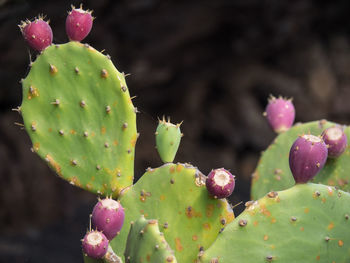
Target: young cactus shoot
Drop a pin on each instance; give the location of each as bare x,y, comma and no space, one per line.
307,157
280,114
108,217
336,141
95,244
78,23
37,33
220,183
168,137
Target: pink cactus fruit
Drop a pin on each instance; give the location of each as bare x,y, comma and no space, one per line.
307,157
108,217
336,140
95,244
220,183
37,33
280,113
78,23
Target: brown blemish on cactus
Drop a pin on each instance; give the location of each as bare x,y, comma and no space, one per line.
104,73
53,70
32,92
266,237
36,146
318,257
264,211
178,244
190,212
209,210
50,129
54,164
103,130
306,210
340,243
273,220
323,200
207,226
302,229
330,226
172,169
255,223
162,197
115,143
72,131
194,237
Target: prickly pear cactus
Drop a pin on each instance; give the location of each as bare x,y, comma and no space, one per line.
176,196
306,223
78,113
273,172
146,243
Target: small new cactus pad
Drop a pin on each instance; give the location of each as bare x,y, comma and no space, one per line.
306,223
307,157
175,195
168,137
78,23
95,244
37,33
108,217
280,113
146,243
273,172
77,110
220,183
336,140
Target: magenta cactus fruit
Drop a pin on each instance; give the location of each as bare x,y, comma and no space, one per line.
280,114
108,217
95,244
336,140
220,183
78,23
37,33
307,157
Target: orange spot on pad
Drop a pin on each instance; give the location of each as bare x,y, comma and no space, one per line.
103,130
331,226
178,244
210,209
194,238
207,226
306,210
340,243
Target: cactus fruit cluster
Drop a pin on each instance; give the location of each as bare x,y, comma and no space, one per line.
80,117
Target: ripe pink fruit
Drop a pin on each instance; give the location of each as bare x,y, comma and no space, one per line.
220,183
38,33
95,244
280,114
78,24
307,157
108,217
336,140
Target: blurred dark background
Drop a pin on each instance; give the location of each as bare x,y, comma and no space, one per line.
210,63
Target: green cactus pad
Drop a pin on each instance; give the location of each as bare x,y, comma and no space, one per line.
176,196
78,113
168,137
146,243
273,172
306,223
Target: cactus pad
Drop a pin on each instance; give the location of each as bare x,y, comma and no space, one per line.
78,113
273,175
306,223
176,196
147,244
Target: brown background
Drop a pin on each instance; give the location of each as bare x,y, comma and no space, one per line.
209,63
